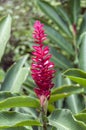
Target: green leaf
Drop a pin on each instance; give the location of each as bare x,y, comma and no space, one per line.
62,12
56,97
59,40
5,95
5,28
59,60
18,128
75,103
51,107
63,92
64,120
15,76
19,101
81,117
75,72
67,89
27,110
29,83
77,76
58,78
82,53
75,10
51,12
14,119
83,111
83,25
81,38
2,75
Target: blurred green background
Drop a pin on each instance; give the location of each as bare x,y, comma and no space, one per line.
22,12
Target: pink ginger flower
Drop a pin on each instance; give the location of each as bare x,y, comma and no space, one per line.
42,67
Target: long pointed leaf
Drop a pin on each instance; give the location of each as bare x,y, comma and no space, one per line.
18,128
5,95
82,53
81,117
63,92
64,120
83,25
67,89
14,119
75,10
60,60
15,76
5,28
77,76
59,40
19,101
51,12
62,12
75,103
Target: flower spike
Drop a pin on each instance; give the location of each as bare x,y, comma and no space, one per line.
42,68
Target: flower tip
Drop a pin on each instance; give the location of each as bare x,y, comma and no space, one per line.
38,24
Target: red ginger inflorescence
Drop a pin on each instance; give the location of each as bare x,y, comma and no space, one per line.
42,67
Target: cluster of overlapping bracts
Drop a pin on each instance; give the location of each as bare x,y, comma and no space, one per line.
42,68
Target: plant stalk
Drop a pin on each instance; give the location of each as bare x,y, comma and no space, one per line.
44,119
76,49
43,116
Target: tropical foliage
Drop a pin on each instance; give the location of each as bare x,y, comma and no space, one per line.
65,25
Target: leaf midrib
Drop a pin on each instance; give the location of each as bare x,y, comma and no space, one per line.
57,123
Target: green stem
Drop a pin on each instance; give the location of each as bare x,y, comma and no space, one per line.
44,119
39,128
76,50
43,112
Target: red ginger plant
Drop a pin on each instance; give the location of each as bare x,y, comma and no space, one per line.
42,67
